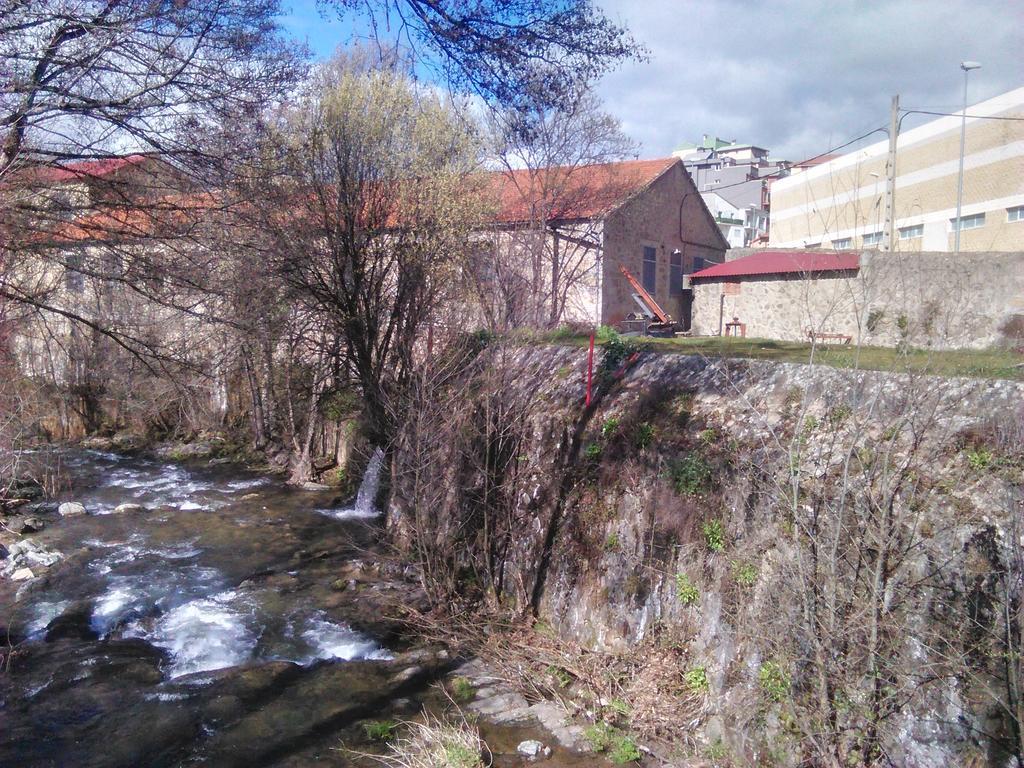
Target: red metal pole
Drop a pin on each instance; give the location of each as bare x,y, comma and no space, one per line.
590,367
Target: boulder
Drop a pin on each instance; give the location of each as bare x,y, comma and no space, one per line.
69,508
532,749
3,552
26,525
128,508
18,526
74,623
40,508
22,574
43,557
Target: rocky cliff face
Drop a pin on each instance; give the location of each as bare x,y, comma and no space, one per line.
833,555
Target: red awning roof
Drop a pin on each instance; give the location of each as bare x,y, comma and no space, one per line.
780,263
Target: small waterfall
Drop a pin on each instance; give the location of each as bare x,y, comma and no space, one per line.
367,494
366,498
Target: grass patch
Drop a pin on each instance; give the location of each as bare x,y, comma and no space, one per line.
977,363
380,730
462,690
437,742
774,681
620,747
744,573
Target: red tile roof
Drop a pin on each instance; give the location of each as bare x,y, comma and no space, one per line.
82,169
560,193
781,262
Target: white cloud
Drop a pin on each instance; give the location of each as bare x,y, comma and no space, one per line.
800,76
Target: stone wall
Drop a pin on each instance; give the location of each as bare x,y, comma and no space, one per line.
929,299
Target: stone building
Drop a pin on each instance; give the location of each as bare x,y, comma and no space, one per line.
560,235
840,203
931,300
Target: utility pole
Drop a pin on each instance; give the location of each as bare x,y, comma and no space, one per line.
966,66
890,176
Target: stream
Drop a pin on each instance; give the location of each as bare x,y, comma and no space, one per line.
213,626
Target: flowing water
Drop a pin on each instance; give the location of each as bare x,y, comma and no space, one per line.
222,570
208,628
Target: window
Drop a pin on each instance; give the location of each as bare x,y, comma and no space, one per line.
968,222
909,233
650,268
872,238
1015,214
74,280
842,243
675,275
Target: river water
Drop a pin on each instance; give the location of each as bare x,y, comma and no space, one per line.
223,570
210,627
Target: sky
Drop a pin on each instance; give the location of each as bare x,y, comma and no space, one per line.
797,77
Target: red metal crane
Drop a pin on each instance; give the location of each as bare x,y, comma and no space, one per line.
663,317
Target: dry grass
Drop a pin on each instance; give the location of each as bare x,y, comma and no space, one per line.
642,691
436,741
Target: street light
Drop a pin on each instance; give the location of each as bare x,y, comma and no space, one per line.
966,66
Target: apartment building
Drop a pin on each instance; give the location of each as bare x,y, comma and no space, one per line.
840,204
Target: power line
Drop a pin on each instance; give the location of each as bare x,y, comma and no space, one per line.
785,171
957,114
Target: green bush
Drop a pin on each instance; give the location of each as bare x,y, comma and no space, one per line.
875,317
611,544
774,681
644,435
690,475
609,427
616,351
619,707
697,680
593,451
599,735
714,535
380,730
979,458
686,590
624,750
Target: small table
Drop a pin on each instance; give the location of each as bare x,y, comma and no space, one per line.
736,328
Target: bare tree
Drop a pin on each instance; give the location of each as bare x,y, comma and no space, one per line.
545,153
369,215
517,53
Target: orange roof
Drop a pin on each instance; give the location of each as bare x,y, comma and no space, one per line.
582,192
521,196
117,223
80,170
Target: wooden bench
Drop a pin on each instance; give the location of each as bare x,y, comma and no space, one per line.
824,337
